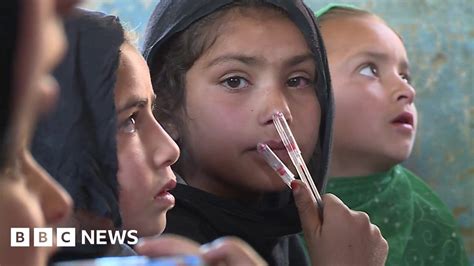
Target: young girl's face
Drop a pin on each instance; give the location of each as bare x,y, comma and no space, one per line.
30,197
259,64
145,151
376,117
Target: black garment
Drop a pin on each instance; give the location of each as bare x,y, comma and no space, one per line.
204,217
9,25
76,143
271,227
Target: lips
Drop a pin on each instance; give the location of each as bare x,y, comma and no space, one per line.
275,145
166,188
405,118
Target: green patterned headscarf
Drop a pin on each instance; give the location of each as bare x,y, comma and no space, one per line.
330,6
418,226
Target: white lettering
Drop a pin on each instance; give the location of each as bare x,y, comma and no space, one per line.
86,236
66,237
19,237
117,236
133,237
43,237
101,236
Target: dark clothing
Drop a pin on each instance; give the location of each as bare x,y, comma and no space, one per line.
204,217
76,143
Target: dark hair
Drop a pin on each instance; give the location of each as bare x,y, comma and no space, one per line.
9,26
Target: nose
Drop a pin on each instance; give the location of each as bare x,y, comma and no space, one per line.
272,101
165,150
55,202
404,92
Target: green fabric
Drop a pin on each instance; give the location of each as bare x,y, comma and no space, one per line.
418,226
330,6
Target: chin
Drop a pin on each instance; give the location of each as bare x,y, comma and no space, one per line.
403,155
161,224
151,229
273,185
268,181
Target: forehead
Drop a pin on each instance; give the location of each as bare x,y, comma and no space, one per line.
268,34
345,36
132,74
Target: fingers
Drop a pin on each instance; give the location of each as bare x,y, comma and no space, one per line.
307,208
346,237
381,250
167,245
230,251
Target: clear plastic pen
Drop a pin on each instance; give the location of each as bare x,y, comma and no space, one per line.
276,164
295,155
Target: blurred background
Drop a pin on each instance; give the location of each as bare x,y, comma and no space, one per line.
439,37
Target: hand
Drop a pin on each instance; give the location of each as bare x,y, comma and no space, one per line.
222,251
345,237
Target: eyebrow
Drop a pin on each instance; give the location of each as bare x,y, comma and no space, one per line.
382,57
248,60
299,59
133,102
251,60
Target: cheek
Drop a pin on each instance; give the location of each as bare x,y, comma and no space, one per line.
24,208
132,173
217,122
20,208
130,184
307,116
415,116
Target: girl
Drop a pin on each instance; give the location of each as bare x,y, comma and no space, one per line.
104,144
101,67
32,44
371,78
220,70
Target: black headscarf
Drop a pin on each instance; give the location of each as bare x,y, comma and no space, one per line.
171,17
76,143
9,26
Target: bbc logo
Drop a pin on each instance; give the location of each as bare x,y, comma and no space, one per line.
42,237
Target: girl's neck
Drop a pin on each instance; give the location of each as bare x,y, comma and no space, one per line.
351,165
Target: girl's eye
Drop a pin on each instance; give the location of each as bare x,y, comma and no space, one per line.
235,83
298,82
370,71
129,126
406,77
